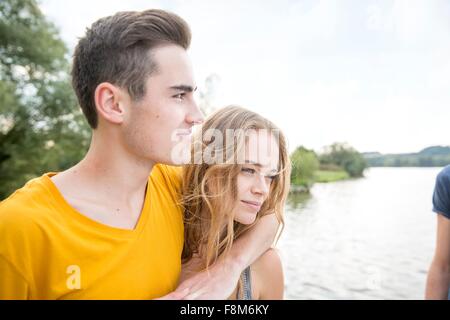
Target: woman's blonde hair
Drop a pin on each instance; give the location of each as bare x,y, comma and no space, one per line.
210,190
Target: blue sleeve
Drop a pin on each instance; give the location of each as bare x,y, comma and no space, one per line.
441,194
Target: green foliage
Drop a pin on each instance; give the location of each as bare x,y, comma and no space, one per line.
345,157
304,165
41,126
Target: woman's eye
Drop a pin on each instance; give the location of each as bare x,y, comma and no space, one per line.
248,170
271,178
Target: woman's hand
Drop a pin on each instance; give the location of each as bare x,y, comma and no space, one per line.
217,283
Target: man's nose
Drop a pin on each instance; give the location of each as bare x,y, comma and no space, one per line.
195,115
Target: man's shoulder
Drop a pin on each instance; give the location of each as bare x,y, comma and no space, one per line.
168,170
441,194
443,181
22,209
23,220
170,176
444,174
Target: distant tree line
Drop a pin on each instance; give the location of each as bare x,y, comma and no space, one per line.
336,157
436,156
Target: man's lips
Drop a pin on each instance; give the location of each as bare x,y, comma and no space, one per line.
185,132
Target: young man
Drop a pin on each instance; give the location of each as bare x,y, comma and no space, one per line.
438,276
110,227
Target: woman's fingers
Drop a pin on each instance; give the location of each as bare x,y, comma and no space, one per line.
176,295
193,295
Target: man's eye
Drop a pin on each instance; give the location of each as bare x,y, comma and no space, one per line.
248,170
179,96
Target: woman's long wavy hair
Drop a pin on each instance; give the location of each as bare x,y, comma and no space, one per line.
210,190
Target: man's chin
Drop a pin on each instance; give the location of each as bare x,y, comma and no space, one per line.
180,159
180,153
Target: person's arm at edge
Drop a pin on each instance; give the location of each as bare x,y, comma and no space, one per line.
438,278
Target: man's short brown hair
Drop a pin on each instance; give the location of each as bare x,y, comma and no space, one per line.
116,49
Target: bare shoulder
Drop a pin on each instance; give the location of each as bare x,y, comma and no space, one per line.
268,278
269,259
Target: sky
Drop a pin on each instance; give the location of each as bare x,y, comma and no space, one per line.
372,73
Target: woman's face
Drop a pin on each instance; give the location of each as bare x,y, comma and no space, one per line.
257,174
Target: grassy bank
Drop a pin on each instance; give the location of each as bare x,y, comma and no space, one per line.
330,176
338,162
321,176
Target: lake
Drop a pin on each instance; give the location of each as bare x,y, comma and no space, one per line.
367,238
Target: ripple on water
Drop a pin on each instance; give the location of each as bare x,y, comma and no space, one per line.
370,238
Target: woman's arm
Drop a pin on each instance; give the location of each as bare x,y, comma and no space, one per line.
438,275
254,242
221,279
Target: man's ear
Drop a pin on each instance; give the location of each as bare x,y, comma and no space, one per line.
108,102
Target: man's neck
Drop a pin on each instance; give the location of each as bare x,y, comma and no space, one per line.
106,182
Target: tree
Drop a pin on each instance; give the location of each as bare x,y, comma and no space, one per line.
346,157
304,164
41,126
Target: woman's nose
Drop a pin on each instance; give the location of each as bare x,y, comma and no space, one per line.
260,185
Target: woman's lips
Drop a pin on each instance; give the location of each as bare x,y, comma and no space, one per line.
253,205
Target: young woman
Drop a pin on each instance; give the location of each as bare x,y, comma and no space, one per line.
239,172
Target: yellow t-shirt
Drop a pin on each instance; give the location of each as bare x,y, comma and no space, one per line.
48,250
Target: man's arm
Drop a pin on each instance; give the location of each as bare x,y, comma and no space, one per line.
222,277
438,276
